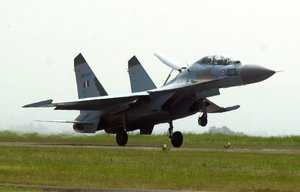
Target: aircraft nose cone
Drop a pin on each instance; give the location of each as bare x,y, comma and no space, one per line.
255,73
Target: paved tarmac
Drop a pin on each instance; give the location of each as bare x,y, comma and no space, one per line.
77,189
232,150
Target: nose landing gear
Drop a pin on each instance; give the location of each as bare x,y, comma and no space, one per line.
203,119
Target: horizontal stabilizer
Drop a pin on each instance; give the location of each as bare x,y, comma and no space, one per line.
46,103
64,121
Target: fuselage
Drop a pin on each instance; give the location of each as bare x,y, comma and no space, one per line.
168,107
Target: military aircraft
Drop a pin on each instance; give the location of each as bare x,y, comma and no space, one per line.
148,105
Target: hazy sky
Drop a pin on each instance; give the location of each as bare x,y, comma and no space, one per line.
39,40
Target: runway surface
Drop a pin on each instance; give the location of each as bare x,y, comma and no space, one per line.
77,189
232,150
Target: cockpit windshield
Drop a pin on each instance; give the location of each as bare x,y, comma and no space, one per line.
217,60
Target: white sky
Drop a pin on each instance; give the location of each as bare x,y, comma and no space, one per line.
39,40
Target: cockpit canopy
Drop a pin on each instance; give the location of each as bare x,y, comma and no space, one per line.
217,60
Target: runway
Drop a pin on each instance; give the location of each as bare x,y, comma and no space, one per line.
129,147
84,189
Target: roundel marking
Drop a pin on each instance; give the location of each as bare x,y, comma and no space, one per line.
222,72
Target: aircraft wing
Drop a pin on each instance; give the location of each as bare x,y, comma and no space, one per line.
102,103
119,103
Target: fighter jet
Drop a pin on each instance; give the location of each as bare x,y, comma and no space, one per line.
148,105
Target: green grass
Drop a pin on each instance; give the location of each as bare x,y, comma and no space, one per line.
223,170
117,168
19,189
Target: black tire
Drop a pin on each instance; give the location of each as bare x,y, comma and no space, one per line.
177,139
122,138
202,121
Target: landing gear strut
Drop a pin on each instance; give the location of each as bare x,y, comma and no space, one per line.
176,137
122,138
203,119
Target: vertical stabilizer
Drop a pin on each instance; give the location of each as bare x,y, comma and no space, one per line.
139,78
87,86
87,83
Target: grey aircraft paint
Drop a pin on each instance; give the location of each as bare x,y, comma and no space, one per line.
139,78
87,83
147,106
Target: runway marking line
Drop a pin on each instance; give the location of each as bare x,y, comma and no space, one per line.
232,150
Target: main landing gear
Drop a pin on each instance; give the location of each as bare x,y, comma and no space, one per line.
121,137
176,137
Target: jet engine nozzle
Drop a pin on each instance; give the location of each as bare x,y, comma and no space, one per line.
255,73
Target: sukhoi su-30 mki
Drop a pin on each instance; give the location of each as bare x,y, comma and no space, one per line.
147,105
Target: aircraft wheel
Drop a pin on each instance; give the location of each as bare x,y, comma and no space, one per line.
203,120
122,138
177,139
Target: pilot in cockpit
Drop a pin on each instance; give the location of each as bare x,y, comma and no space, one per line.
217,60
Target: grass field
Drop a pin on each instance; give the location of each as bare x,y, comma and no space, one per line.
223,170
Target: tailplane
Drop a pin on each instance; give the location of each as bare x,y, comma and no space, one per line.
87,83
139,78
